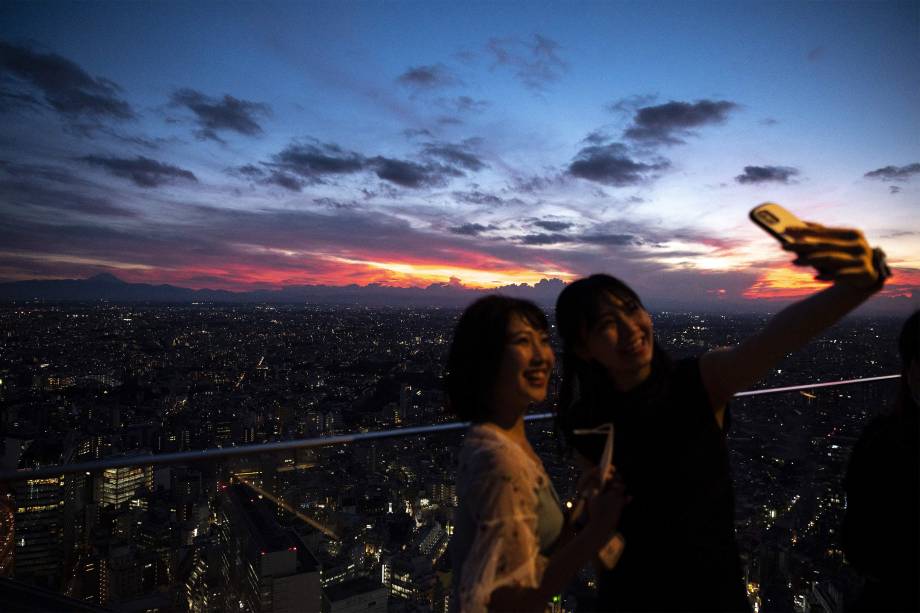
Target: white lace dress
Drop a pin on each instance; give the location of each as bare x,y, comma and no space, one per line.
506,508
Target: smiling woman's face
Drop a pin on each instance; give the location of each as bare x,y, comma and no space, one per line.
526,365
620,340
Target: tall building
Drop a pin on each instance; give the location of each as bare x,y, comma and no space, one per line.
116,486
266,567
39,520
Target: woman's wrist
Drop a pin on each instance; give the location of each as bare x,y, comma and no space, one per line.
880,264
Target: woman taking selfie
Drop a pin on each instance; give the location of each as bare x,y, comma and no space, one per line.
507,551
670,419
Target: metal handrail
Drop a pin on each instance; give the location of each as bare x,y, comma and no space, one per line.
321,441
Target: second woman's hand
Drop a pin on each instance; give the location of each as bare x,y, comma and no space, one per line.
605,506
841,255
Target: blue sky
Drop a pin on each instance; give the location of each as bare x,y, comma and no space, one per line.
243,145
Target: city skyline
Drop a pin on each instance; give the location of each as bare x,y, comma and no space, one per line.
246,147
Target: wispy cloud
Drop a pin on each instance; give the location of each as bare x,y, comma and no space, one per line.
536,62
430,77
142,171
214,115
461,155
64,86
895,173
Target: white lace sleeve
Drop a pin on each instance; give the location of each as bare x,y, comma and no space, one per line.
504,551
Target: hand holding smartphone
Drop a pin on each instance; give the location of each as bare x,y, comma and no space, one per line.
841,255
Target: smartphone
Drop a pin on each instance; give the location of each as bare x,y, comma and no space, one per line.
607,455
776,220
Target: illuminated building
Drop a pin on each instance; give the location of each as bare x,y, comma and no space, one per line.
118,485
39,521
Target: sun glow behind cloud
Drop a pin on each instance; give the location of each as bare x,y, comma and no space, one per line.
414,274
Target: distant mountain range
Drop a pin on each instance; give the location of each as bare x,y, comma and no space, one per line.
110,287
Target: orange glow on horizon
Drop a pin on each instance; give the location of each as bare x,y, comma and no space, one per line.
341,271
785,283
407,274
776,283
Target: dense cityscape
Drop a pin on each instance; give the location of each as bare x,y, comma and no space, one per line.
353,526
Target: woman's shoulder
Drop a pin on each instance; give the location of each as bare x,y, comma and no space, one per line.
485,453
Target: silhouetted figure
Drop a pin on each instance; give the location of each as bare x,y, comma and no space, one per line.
670,420
880,530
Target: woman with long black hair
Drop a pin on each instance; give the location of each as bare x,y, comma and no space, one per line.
670,419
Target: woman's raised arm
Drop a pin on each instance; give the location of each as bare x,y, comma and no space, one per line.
840,255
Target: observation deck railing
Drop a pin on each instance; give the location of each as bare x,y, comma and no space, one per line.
325,441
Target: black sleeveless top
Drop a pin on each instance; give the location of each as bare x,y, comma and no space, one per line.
680,549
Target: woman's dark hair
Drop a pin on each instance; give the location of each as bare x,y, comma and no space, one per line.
578,309
909,349
477,350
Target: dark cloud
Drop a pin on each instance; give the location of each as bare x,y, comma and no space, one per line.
411,174
610,239
536,63
332,203
283,179
143,171
40,173
455,155
248,171
767,174
66,88
225,114
664,123
553,226
54,189
597,137
482,198
10,100
434,76
556,238
463,104
612,165
312,160
251,172
895,173
545,239
470,229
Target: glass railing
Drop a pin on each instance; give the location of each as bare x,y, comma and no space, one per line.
326,522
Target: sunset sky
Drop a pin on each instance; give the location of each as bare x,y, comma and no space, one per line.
256,145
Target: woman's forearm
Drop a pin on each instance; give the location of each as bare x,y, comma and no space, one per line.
801,321
730,370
